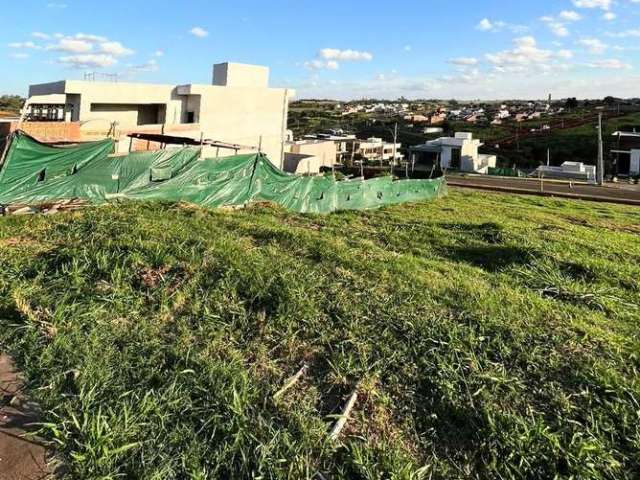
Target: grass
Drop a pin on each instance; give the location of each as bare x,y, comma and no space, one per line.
491,336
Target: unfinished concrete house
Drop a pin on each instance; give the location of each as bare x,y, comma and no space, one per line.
238,108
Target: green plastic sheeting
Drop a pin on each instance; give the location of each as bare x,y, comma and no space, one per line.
34,173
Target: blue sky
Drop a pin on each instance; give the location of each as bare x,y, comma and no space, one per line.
488,49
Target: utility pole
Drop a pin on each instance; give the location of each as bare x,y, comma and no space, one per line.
600,172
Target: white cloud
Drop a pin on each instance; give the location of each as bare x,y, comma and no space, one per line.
485,25
565,54
625,33
330,58
40,35
558,28
90,38
464,61
593,45
609,16
345,55
29,45
322,65
72,45
603,4
115,49
159,53
199,32
609,64
524,53
89,60
570,16
19,55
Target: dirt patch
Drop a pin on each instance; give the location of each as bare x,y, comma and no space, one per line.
151,277
22,457
18,242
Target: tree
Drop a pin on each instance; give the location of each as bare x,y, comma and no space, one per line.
571,103
609,101
11,103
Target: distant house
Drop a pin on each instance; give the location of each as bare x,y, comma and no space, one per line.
308,156
374,148
626,152
417,119
456,153
569,171
342,142
437,118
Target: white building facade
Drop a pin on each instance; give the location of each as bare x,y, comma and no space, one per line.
238,108
459,152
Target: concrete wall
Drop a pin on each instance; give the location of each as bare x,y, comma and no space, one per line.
122,96
468,156
302,164
308,157
245,116
240,75
634,168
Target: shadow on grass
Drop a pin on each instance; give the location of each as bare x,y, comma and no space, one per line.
491,233
491,258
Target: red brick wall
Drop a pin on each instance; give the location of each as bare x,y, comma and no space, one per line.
46,131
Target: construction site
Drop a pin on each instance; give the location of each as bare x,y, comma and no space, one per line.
186,291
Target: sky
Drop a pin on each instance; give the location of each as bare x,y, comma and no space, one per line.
341,49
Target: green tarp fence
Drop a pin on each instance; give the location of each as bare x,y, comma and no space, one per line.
34,173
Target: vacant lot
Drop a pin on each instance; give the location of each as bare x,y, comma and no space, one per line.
490,336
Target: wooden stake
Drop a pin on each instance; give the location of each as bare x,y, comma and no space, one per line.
337,428
291,381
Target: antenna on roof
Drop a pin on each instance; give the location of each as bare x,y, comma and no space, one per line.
100,76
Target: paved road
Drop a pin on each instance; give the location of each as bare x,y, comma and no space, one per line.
616,193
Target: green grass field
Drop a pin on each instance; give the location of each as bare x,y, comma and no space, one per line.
489,336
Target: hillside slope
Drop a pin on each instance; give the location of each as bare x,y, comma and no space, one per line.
489,336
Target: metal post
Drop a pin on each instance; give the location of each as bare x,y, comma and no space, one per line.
5,150
283,126
600,152
395,141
